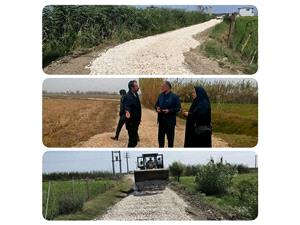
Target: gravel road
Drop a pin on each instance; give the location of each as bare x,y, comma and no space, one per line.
158,54
160,205
147,132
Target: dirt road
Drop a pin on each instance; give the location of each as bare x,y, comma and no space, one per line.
147,132
154,205
158,54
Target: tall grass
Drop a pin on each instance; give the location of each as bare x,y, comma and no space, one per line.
221,91
243,44
68,27
64,197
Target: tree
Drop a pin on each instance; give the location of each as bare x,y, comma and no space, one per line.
176,169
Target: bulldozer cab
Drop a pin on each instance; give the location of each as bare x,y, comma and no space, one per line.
150,173
150,161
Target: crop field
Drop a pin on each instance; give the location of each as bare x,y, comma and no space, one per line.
68,121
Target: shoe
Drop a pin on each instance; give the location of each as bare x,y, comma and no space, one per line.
114,138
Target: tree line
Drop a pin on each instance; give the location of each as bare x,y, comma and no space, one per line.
88,93
80,175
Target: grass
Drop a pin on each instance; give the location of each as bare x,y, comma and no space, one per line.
228,202
238,140
69,28
237,124
243,44
67,122
103,194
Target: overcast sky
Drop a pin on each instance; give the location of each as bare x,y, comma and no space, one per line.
103,84
215,8
67,161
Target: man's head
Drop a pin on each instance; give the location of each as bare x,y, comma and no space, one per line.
122,92
133,86
166,87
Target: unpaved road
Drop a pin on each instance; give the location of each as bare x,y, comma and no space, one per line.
148,134
159,205
158,54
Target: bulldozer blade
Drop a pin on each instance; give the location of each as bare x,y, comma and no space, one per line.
151,174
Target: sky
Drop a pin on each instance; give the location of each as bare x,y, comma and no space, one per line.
82,161
215,8
102,84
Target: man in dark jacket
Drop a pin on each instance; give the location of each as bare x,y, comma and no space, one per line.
122,118
133,112
167,106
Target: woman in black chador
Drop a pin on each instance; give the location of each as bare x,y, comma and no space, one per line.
198,128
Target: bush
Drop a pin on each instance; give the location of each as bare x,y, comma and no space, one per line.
176,169
67,204
247,195
215,178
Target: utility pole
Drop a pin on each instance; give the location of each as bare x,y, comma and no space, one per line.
116,157
255,161
127,156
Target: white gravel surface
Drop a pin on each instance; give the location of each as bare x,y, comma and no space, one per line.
161,205
158,54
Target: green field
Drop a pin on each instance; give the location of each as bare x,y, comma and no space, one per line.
237,124
80,199
242,50
233,201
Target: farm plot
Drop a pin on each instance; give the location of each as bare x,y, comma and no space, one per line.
66,121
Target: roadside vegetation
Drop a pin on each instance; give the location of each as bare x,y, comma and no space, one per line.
81,196
234,106
230,189
239,49
69,28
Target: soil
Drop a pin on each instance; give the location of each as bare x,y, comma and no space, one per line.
198,63
147,133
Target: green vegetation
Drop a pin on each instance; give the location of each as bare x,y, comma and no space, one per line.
241,198
81,199
80,175
241,49
234,106
237,124
215,178
176,169
68,28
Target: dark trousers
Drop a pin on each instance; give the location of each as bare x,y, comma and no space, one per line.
165,129
132,129
121,122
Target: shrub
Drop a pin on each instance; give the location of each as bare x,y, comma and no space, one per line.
247,195
215,178
176,169
67,204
